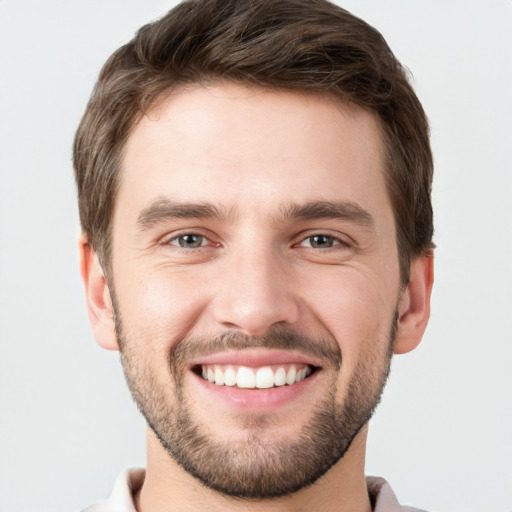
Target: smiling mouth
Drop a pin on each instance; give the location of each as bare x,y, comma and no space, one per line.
263,377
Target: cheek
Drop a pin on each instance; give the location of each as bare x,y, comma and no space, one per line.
356,310
357,315
161,307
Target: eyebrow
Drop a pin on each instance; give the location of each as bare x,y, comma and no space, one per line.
342,210
163,210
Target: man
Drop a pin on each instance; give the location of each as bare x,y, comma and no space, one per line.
254,189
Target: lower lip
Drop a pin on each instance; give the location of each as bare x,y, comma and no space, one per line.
257,399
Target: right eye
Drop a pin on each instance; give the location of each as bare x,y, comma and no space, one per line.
189,241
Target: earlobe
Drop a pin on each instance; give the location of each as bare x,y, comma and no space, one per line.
414,307
99,304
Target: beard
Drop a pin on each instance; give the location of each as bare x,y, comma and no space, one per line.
257,467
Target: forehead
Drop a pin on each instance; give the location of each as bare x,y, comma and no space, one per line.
249,147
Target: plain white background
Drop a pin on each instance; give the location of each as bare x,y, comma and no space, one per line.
442,435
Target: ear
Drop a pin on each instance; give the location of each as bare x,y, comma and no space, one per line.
414,306
99,304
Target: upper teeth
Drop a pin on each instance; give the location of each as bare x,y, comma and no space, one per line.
250,378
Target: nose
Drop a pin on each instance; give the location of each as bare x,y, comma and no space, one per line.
256,294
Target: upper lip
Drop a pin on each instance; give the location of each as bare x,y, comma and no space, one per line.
257,358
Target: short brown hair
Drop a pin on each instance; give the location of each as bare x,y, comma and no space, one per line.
308,45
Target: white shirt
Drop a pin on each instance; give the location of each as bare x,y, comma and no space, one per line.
131,480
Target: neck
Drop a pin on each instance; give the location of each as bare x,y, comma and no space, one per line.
168,487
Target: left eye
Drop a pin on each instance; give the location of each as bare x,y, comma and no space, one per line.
189,241
320,241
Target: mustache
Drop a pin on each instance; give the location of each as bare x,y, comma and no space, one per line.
193,347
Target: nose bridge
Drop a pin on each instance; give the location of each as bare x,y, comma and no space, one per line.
256,292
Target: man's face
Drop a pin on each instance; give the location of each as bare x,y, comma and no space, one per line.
256,281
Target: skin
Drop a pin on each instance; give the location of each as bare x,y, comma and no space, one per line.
252,153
